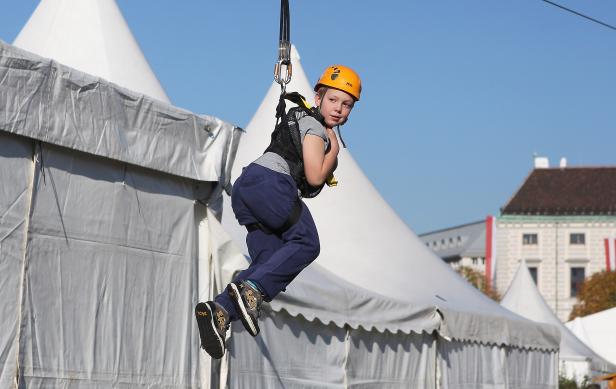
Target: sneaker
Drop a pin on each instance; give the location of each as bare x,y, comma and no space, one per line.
247,301
213,321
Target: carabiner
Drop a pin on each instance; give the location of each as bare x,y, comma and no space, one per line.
278,72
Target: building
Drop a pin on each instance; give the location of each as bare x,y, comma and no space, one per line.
460,246
561,221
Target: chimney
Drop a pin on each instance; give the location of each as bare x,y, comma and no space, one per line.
541,162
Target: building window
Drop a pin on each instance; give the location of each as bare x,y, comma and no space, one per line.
577,277
474,260
529,239
483,260
577,238
533,273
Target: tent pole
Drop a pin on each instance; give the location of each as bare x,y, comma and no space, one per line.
347,350
437,365
37,155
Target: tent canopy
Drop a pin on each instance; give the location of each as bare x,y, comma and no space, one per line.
523,297
597,332
93,37
48,101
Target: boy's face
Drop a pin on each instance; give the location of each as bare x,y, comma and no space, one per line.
335,106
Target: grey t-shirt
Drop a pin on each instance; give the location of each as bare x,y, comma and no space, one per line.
307,125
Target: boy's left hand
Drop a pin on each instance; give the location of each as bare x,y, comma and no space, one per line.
333,142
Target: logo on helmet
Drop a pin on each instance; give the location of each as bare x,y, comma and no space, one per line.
335,73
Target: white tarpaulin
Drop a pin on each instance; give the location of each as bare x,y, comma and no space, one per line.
100,208
577,359
597,331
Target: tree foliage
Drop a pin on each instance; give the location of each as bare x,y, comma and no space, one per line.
597,293
478,280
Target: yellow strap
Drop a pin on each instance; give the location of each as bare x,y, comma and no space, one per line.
331,181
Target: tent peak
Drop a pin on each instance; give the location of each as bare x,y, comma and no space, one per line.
91,36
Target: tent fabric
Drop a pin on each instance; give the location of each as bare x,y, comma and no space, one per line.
93,37
105,285
296,353
466,364
390,261
16,169
317,294
523,297
597,332
101,230
50,102
292,352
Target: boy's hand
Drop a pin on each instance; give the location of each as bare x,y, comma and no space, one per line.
333,141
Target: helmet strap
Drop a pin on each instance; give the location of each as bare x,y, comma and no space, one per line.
340,136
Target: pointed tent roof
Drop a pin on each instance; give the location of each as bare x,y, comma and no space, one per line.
523,298
91,36
597,332
366,244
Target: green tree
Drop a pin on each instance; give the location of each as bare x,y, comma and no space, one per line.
597,293
478,280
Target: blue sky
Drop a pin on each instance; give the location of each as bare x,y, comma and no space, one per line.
457,96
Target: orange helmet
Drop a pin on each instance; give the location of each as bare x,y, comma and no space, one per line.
341,77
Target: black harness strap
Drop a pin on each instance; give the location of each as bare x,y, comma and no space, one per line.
296,213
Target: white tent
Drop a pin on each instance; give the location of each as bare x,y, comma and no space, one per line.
104,243
598,332
423,321
124,173
576,359
91,36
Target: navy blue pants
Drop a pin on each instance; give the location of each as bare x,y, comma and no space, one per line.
261,195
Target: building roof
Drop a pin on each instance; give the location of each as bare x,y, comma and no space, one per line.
566,191
467,240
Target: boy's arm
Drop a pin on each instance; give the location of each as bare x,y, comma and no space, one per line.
317,164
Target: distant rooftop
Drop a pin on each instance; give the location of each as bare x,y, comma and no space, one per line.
566,191
451,244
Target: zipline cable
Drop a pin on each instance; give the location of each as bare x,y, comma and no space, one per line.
284,48
580,14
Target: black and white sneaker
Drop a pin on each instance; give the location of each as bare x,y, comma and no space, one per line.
247,301
213,321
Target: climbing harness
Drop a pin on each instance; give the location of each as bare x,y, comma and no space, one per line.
286,139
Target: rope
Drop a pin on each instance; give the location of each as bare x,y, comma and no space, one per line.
284,48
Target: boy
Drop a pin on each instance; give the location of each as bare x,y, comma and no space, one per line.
282,237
